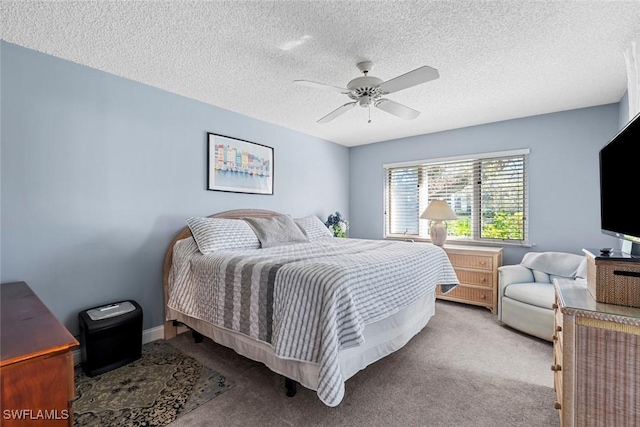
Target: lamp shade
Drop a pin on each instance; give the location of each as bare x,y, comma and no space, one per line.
438,210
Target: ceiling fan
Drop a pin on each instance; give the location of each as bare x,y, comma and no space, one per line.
367,91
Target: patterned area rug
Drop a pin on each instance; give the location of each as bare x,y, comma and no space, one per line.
152,391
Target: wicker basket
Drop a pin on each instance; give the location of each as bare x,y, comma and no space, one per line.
614,282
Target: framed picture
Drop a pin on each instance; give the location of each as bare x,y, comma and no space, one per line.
239,166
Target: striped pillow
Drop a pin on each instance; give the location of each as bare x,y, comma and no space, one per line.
313,227
276,231
214,234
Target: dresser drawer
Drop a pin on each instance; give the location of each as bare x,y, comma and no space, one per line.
557,353
557,333
557,322
472,277
557,385
556,367
471,261
467,294
558,316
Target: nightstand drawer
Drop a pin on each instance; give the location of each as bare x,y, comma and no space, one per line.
471,261
467,294
477,278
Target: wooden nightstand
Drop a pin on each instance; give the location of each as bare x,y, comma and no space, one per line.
36,364
477,271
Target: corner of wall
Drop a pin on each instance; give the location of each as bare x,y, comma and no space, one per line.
623,110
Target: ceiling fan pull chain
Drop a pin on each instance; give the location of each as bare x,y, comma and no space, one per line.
369,113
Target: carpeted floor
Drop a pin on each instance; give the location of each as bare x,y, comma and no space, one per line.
152,391
464,369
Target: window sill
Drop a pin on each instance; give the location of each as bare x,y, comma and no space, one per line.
464,242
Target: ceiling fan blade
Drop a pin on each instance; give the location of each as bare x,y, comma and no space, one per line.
412,78
338,111
321,86
396,109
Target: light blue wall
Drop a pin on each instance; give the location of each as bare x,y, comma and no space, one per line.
564,213
99,173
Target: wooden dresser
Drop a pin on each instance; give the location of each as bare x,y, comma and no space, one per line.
36,363
477,271
596,360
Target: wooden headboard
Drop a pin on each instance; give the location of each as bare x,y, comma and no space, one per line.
170,331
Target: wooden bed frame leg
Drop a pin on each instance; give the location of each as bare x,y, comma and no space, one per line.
197,336
291,387
170,330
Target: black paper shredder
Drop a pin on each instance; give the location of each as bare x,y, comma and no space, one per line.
110,336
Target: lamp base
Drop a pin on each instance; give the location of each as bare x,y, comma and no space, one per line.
438,233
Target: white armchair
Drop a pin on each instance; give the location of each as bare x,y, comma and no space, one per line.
526,294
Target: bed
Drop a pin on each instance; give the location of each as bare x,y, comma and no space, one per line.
315,309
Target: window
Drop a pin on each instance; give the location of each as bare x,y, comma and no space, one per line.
488,193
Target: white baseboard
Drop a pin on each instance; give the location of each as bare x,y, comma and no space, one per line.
148,335
153,334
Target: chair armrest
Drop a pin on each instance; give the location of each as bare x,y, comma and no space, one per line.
509,274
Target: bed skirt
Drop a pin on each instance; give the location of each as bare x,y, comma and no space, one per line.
381,339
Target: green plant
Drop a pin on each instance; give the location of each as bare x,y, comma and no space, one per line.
499,225
460,227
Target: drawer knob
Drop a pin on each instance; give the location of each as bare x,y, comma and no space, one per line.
558,328
554,337
557,405
556,368
554,306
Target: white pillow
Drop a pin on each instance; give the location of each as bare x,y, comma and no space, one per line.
214,234
313,227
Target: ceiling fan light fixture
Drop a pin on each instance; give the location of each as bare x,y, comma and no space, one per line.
365,101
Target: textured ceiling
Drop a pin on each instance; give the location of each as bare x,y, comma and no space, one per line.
497,60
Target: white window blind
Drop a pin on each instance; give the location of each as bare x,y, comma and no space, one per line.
403,194
488,193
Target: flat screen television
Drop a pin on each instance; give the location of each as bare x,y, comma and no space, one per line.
619,173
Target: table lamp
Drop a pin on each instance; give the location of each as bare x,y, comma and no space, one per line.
438,211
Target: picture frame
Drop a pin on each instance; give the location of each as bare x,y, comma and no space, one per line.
238,166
